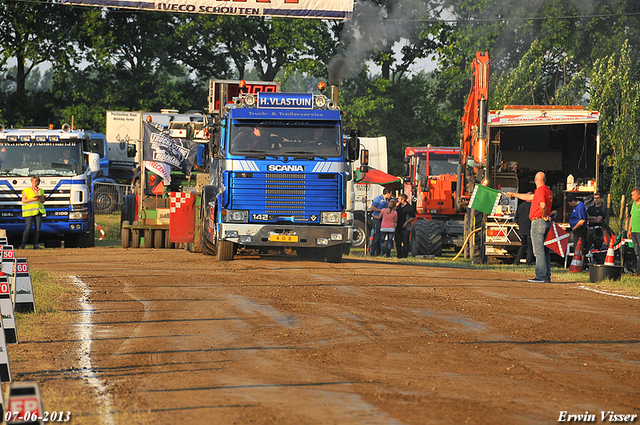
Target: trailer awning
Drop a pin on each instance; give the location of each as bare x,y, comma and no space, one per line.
374,176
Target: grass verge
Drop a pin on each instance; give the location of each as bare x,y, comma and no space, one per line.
52,294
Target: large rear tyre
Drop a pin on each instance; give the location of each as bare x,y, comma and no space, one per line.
125,235
426,238
128,209
333,254
206,247
225,250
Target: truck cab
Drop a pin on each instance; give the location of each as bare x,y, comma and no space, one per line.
278,173
62,160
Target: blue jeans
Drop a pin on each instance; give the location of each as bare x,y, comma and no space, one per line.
539,229
375,241
28,222
635,237
386,243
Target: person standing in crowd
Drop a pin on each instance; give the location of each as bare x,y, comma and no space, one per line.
541,202
32,211
379,203
388,224
406,213
633,227
597,215
524,230
578,222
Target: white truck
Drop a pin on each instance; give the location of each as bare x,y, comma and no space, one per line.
363,194
124,130
562,141
62,160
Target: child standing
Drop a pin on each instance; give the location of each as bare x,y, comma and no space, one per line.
389,221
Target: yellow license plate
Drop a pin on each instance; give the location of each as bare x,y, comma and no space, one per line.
283,238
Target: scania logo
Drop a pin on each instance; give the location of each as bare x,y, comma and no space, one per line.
285,168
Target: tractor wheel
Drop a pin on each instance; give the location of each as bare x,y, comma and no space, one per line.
426,238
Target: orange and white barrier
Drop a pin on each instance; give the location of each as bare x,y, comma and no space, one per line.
5,368
6,311
23,299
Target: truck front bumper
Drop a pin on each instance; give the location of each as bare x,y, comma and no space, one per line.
258,235
47,227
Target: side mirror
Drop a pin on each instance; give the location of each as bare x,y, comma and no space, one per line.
94,162
406,170
215,135
353,145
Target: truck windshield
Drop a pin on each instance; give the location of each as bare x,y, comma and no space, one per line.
43,159
442,163
286,139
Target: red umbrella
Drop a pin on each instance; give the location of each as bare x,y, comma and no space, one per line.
374,176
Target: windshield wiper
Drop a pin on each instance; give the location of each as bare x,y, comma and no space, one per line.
250,151
306,155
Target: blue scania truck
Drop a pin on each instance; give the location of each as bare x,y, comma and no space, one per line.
278,176
64,163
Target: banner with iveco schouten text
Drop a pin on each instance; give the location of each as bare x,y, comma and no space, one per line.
312,9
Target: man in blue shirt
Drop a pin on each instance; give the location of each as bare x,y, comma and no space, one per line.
578,221
379,203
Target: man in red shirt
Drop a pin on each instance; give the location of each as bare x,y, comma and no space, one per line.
541,201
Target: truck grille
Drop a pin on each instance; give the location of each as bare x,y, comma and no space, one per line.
301,196
57,202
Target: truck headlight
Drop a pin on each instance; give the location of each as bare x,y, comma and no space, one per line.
78,215
235,216
332,217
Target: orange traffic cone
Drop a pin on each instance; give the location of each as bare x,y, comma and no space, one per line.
610,258
576,262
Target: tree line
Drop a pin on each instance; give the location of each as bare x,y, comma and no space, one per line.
60,61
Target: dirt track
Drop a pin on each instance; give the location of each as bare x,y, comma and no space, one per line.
177,338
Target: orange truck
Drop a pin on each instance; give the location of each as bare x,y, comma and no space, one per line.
502,149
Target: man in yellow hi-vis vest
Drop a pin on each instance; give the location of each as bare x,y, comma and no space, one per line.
32,210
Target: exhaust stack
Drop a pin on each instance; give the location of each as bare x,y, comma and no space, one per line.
334,93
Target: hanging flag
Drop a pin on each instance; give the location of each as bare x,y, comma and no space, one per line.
485,199
162,148
557,240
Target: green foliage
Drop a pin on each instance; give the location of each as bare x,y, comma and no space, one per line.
521,85
408,113
615,93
